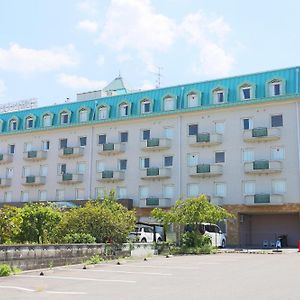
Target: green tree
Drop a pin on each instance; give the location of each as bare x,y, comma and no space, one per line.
107,220
10,223
39,223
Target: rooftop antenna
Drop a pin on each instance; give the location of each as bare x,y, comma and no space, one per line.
158,78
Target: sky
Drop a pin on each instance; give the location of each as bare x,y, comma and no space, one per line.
53,49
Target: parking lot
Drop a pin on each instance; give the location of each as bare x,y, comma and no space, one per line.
220,276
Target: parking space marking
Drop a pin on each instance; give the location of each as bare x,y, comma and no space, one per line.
169,267
77,278
16,288
128,272
39,291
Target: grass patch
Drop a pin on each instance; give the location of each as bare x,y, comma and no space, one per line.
205,249
95,259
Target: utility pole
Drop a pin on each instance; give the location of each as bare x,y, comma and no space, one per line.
158,78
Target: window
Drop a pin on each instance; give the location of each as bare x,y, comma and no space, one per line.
220,157
47,120
124,137
145,162
145,106
278,186
9,173
27,147
123,164
29,123
192,100
275,87
169,132
219,96
193,190
102,139
100,166
63,143
82,141
193,129
146,134
277,153
83,115
246,92
168,191
11,149
80,194
13,124
220,189
169,103
249,187
100,192
247,123
81,166
24,196
144,192
122,192
219,127
193,159
168,161
124,109
248,155
42,195
8,197
46,145
276,121
26,171
60,195
102,112
43,170
61,169
64,118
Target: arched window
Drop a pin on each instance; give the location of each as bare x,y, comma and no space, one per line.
13,124
275,87
124,109
246,91
193,99
83,115
47,120
169,103
102,112
219,95
29,122
64,117
145,106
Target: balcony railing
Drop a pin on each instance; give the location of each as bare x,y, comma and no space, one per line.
111,148
71,152
5,158
4,182
35,155
263,167
155,202
111,176
206,170
261,134
205,139
156,144
34,180
264,198
70,178
155,173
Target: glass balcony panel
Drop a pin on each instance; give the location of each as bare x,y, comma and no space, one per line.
107,174
259,132
1,156
261,165
30,179
203,168
152,201
152,171
203,138
153,142
67,177
32,154
262,198
68,151
108,147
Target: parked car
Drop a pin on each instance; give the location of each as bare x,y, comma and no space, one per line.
144,234
217,237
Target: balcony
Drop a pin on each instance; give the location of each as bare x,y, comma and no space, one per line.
33,180
261,199
5,158
261,134
69,178
263,167
155,173
155,202
71,152
35,155
206,170
205,139
4,182
111,148
156,144
111,176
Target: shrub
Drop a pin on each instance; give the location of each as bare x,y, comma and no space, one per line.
194,239
79,238
95,259
5,270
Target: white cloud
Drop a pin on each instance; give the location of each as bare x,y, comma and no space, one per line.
135,25
147,85
208,36
88,7
124,57
26,60
2,88
80,83
100,60
88,25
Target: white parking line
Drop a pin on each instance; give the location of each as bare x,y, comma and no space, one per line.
126,272
77,278
168,267
16,288
38,291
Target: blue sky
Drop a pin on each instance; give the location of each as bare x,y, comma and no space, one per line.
53,49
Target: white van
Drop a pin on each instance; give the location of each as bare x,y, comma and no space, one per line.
144,234
217,237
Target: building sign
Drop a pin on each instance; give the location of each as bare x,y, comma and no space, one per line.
19,105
